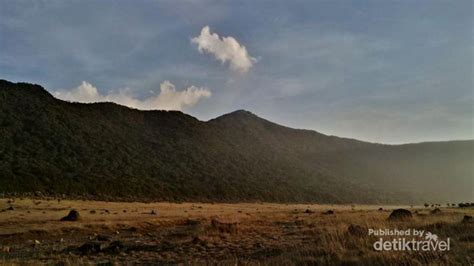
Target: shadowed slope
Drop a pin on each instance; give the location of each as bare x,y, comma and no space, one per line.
105,150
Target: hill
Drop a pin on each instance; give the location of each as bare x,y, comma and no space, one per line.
108,151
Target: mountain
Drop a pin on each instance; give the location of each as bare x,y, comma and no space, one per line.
108,151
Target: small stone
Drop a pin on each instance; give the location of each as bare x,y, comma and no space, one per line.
192,222
328,212
115,247
198,241
356,230
103,238
90,247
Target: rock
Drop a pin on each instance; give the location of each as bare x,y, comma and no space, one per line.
198,241
152,212
72,216
467,219
400,214
92,211
10,208
328,212
37,242
6,249
435,211
356,230
380,209
90,248
299,222
103,238
114,247
132,229
308,211
192,222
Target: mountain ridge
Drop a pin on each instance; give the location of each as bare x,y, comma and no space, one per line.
235,112
104,150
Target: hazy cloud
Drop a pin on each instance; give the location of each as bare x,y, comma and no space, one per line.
224,49
168,98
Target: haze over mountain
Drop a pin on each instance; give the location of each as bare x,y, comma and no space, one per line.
104,150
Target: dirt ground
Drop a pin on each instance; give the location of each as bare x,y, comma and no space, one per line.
202,233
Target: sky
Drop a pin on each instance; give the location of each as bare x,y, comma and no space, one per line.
380,71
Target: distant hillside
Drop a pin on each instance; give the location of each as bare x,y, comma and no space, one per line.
107,151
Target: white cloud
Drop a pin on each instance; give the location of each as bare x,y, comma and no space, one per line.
168,99
224,49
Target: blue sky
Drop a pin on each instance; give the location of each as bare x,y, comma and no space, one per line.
381,71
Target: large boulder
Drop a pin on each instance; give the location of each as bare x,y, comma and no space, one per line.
400,214
71,217
467,219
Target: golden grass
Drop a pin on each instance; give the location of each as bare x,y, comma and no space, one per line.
202,233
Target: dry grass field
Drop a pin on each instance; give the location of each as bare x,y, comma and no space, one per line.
203,233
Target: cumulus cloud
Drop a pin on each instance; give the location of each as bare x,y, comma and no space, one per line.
225,49
168,98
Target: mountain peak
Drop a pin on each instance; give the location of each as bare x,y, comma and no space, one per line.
237,114
241,112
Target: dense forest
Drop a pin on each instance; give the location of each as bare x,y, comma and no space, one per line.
108,151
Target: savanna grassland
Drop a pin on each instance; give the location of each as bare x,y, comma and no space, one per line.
201,233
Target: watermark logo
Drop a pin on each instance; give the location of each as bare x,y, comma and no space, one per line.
408,240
